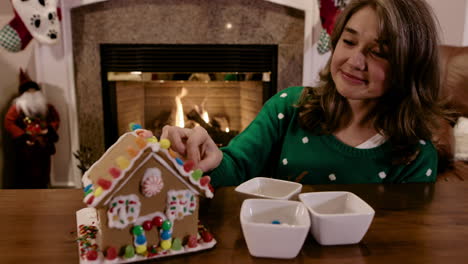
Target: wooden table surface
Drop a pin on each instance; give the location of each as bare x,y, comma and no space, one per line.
414,223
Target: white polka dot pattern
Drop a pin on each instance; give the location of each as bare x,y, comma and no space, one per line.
285,161
382,175
280,116
305,140
428,172
283,95
332,177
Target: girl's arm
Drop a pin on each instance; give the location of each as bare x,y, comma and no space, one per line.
247,155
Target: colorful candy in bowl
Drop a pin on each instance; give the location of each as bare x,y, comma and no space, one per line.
274,228
269,188
337,218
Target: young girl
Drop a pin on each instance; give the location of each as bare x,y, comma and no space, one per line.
368,121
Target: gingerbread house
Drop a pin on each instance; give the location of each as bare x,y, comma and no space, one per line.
143,202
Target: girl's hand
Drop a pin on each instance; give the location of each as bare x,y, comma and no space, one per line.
196,144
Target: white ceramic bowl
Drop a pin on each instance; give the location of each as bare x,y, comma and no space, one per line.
269,188
337,218
274,228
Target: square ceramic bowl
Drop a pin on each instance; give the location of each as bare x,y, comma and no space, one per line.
269,188
337,218
274,228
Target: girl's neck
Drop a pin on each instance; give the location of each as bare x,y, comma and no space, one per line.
359,128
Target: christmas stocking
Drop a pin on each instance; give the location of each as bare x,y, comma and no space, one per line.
33,18
329,10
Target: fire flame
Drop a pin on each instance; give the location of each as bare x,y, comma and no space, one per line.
179,118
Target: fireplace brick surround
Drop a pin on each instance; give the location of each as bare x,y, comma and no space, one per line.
175,22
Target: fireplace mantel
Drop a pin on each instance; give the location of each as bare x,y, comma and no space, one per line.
55,71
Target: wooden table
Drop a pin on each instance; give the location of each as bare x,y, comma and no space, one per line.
414,223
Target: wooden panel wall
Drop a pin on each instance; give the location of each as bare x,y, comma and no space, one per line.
130,104
251,101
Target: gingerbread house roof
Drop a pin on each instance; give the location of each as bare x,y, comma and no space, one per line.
114,168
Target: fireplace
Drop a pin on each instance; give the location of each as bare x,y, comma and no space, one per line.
220,87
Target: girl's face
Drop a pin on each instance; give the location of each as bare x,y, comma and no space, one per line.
359,67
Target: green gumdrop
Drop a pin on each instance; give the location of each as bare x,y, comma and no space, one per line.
196,174
137,230
176,244
166,225
129,251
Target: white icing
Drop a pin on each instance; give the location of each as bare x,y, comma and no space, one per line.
152,182
180,204
123,210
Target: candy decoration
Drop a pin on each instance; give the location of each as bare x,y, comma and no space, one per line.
207,236
137,230
134,126
141,142
92,255
129,251
114,172
88,192
179,161
157,221
165,235
165,143
166,244
147,225
122,162
166,225
105,184
176,244
173,154
152,182
132,152
152,139
88,187
192,241
196,174
90,200
205,180
111,253
211,188
188,165
141,249
140,240
98,191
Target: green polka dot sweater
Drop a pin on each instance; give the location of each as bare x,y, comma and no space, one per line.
275,145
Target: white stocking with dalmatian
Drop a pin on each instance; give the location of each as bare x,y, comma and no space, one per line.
38,19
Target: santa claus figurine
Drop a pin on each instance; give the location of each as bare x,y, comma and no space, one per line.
33,124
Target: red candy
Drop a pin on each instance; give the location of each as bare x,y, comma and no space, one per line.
207,236
188,165
157,221
91,255
114,172
192,241
211,188
90,200
105,184
147,225
111,253
205,180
